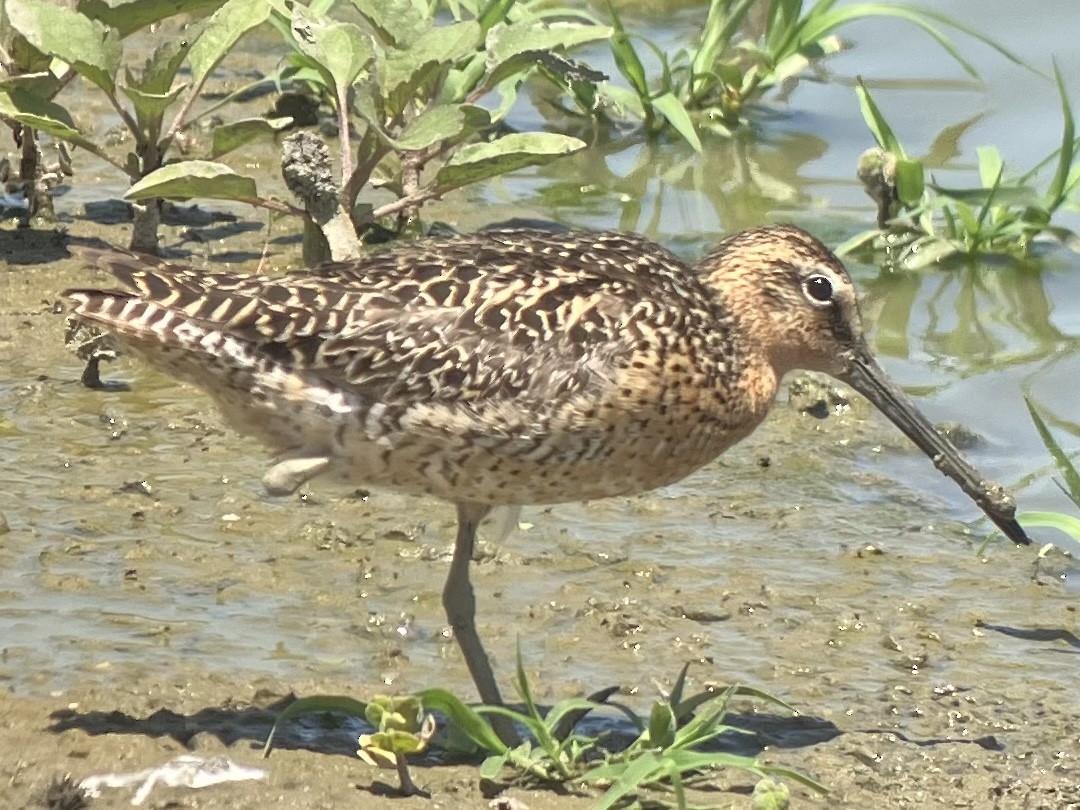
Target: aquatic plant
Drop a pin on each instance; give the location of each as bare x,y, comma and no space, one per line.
427,98
46,45
736,62
1070,484
921,222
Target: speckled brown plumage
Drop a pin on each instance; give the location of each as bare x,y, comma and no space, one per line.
511,367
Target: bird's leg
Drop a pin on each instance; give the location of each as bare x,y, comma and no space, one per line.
460,604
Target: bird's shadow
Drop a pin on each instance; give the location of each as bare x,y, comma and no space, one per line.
320,732
336,734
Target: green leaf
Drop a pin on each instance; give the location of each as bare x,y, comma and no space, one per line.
662,723
339,50
397,22
1061,460
91,48
1051,520
1059,186
509,153
506,41
910,181
150,107
464,718
626,58
341,704
222,31
673,110
435,48
160,69
228,137
442,124
1002,195
42,114
194,178
991,165
632,778
128,16
876,122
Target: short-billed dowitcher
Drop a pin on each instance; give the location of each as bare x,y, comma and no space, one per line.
512,367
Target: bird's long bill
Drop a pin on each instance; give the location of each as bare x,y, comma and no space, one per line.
868,378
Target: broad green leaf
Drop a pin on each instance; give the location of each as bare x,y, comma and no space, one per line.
160,69
673,110
194,178
128,16
491,766
662,723
991,165
910,181
228,137
91,48
509,153
341,50
926,252
397,22
42,114
222,31
341,704
444,123
437,47
504,41
150,107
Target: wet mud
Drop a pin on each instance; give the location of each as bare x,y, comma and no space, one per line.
155,602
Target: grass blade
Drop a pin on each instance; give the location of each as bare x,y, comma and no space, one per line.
1061,460
879,127
1055,195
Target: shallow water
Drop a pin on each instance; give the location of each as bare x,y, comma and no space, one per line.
140,541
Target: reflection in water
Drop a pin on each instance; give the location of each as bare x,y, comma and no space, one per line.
666,190
971,318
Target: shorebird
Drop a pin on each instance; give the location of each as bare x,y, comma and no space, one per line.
512,367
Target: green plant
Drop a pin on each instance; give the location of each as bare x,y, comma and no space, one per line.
1068,524
665,756
402,727
710,86
46,45
921,222
406,88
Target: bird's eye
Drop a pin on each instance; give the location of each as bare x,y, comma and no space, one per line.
818,288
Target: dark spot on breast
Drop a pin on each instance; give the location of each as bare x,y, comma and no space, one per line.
275,293
494,318
531,319
453,378
407,292
440,291
425,272
579,334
